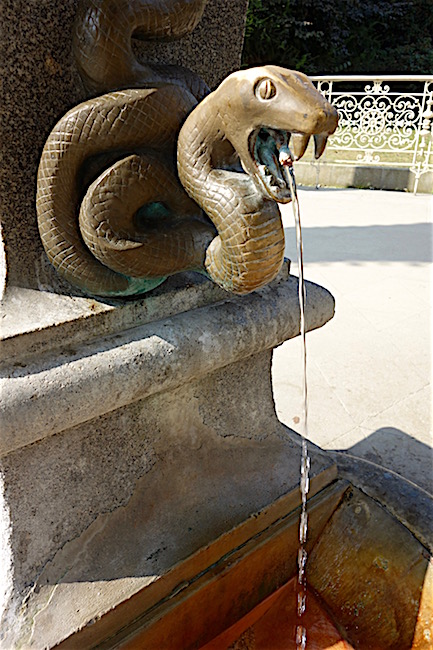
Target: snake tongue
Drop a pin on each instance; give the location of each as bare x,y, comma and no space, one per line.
320,141
299,143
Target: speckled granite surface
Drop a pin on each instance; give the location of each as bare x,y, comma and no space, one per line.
41,83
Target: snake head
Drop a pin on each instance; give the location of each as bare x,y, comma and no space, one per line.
281,110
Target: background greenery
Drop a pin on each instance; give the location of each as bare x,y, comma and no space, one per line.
341,36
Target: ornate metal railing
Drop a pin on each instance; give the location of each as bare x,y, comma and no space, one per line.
384,120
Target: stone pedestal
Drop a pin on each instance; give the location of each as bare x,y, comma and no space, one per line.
123,454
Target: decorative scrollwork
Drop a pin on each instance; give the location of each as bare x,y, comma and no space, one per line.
376,88
376,122
381,125
368,157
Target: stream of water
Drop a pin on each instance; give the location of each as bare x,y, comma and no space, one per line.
301,632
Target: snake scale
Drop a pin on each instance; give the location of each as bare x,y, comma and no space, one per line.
116,214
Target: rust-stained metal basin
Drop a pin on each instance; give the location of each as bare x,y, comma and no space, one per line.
370,585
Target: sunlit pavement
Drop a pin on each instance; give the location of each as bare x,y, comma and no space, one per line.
369,369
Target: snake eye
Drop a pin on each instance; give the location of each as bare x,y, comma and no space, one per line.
265,89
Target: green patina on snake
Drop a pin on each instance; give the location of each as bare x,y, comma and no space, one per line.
123,230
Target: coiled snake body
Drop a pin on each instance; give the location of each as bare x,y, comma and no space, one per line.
122,231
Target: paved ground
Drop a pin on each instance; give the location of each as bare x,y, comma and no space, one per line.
369,369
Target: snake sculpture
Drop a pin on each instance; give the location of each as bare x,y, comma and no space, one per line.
113,217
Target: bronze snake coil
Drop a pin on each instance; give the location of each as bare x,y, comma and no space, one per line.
123,230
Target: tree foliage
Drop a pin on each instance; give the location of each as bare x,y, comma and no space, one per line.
341,36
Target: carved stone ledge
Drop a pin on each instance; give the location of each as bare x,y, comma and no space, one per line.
96,378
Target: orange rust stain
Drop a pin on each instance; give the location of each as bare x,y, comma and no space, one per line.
272,624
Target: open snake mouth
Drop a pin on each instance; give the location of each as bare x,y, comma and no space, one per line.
270,153
272,158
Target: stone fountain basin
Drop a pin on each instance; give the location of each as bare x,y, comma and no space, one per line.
370,577
167,510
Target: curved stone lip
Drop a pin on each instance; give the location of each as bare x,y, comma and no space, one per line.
404,500
110,372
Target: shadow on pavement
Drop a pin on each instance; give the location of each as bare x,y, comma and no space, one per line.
397,451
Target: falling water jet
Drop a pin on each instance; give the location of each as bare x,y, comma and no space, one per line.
286,161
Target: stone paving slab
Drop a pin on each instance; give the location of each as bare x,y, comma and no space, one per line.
369,369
